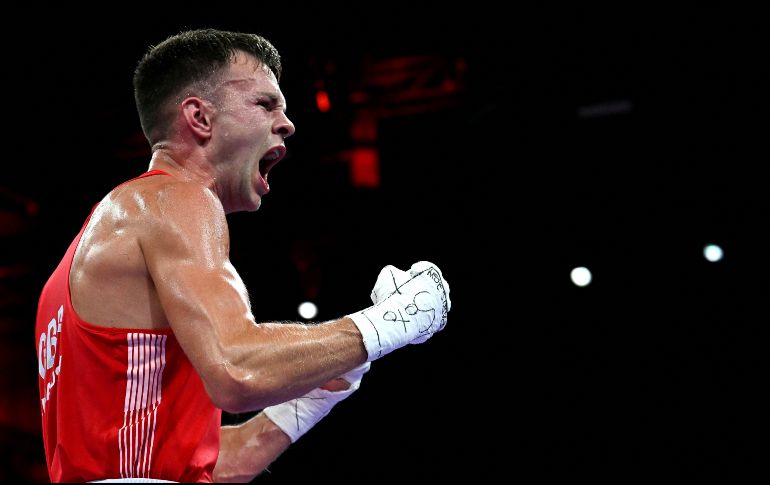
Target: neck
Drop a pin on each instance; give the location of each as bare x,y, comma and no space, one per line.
184,167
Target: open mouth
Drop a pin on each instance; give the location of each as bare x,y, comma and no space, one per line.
270,160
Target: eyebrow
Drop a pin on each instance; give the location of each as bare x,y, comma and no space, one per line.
273,98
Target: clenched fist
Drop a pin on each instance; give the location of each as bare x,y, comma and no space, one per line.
409,307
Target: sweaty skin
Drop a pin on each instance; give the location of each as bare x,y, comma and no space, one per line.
156,255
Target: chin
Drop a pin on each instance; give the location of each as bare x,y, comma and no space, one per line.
250,206
251,202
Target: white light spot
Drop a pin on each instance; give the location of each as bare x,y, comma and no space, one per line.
307,310
581,276
712,252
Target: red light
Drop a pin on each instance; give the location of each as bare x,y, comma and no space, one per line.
322,101
365,167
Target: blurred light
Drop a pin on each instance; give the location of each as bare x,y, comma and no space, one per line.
712,252
322,101
581,276
365,167
307,310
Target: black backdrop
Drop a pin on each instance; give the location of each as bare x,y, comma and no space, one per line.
623,140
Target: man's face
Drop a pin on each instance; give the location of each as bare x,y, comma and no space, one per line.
249,126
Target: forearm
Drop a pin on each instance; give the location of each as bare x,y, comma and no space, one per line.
247,449
274,362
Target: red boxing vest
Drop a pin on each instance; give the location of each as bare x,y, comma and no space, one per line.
115,402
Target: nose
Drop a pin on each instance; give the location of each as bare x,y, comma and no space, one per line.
284,126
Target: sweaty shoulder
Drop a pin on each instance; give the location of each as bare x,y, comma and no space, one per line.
149,224
181,210
165,195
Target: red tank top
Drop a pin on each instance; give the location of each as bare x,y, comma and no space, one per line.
115,402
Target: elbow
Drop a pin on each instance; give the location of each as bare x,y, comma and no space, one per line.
229,401
235,392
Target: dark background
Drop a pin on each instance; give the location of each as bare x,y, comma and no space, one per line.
525,143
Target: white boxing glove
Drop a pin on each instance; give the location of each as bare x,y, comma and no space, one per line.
409,307
297,416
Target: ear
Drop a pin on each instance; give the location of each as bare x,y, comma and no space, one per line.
197,116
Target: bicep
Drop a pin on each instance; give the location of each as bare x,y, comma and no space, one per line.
202,296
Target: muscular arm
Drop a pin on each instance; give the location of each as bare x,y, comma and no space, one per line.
248,448
244,365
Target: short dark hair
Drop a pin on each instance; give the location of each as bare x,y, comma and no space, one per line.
187,58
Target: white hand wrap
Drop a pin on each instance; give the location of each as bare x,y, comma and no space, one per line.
297,416
408,308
